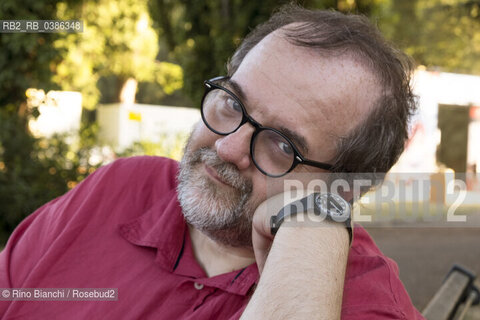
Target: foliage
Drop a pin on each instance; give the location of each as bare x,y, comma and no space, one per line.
440,34
118,43
26,60
170,146
35,170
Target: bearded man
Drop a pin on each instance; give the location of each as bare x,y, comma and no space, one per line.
306,93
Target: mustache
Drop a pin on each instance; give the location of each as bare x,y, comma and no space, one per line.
228,172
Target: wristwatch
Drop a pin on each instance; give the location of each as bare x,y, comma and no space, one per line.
325,205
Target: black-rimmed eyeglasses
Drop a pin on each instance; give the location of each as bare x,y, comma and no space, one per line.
272,152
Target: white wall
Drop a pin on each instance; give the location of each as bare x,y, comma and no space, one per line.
61,113
123,124
434,88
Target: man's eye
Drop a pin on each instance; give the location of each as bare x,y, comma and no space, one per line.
285,147
232,103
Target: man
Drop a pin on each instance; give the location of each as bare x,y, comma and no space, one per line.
308,92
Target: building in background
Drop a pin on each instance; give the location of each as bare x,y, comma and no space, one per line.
443,148
446,130
123,124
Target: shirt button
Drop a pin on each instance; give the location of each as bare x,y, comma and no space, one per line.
198,286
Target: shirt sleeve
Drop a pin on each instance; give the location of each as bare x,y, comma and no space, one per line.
32,237
373,289
38,240
52,247
31,240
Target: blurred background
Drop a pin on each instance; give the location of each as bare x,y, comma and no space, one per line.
131,83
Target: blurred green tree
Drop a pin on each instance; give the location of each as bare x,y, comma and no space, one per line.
32,170
443,35
118,44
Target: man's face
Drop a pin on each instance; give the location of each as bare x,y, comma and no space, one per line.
284,87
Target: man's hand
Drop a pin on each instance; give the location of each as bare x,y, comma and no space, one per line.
302,268
262,237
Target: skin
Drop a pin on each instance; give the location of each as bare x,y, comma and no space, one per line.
319,98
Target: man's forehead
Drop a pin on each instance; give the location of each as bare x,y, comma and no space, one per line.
302,90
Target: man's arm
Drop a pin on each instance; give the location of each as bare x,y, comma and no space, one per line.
304,273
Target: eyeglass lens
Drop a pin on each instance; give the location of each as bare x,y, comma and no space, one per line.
271,152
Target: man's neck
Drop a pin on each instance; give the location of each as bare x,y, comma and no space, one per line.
215,258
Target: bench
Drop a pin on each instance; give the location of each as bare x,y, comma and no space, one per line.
456,295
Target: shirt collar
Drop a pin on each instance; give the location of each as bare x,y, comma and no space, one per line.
163,227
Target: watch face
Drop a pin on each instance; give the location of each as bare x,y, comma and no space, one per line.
333,205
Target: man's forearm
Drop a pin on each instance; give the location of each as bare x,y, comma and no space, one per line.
303,275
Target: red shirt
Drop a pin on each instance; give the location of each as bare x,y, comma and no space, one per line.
122,227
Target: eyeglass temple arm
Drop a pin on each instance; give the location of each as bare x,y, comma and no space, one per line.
217,79
320,165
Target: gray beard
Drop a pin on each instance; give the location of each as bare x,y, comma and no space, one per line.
223,214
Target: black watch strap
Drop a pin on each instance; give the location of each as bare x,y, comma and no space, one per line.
328,205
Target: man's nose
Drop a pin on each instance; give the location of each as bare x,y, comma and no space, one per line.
235,147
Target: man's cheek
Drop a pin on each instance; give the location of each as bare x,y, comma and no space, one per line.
259,194
199,137
273,186
203,133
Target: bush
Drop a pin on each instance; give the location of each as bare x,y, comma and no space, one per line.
34,171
